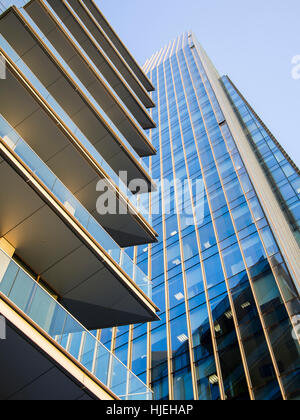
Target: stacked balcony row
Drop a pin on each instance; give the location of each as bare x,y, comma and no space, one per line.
73,114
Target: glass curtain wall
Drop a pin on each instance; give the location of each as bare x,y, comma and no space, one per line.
226,296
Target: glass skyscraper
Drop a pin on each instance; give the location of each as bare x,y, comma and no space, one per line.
225,271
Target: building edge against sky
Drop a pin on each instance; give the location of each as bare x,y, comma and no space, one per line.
227,284
72,116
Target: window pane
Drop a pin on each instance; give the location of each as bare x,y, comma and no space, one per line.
213,270
253,250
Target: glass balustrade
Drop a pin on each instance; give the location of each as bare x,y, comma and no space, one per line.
91,63
67,199
82,87
25,293
116,180
5,4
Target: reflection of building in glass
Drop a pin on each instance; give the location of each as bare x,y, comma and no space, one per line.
226,271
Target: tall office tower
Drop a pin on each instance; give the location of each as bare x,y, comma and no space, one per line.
226,271
73,111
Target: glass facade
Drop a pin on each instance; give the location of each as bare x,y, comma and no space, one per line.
281,171
227,300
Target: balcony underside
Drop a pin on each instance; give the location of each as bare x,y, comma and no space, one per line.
77,169
29,373
109,102
119,44
108,47
70,98
94,50
50,241
76,59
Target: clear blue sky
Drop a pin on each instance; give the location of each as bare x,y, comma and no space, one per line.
253,42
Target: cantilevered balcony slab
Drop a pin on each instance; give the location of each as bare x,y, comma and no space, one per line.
89,75
91,23
91,37
23,112
33,368
118,44
65,91
60,358
81,270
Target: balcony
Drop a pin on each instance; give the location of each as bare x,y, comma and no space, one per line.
57,140
56,145
80,106
65,335
91,84
108,64
87,20
81,64
57,237
91,5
